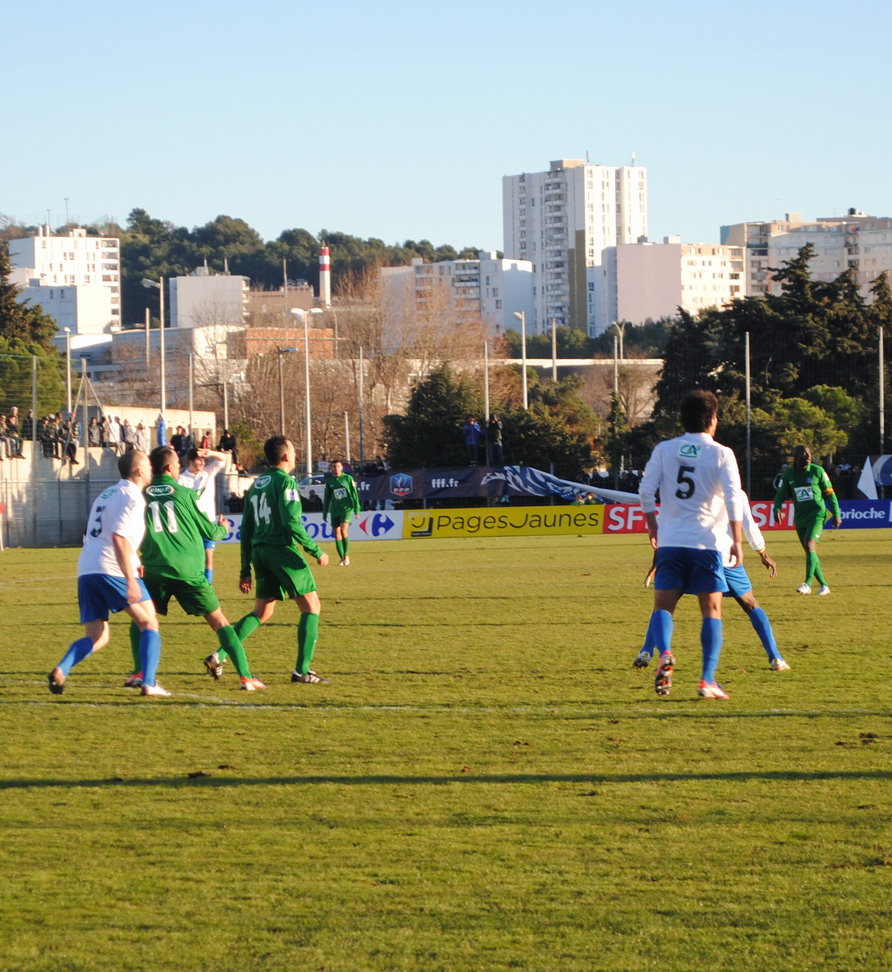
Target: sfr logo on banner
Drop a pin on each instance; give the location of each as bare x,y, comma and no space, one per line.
625,518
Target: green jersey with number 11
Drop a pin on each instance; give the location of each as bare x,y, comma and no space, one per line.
272,517
175,530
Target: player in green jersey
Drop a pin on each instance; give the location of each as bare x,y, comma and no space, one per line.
807,484
341,500
173,558
273,537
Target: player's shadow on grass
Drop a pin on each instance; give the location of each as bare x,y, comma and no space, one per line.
588,779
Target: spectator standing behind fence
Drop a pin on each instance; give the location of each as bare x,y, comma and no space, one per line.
143,437
94,433
473,437
128,434
206,440
28,426
494,440
229,444
115,439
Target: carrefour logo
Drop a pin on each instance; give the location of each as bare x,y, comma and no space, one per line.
689,450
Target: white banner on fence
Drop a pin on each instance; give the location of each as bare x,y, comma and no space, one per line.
376,525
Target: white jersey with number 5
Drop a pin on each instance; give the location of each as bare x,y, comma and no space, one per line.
699,485
119,509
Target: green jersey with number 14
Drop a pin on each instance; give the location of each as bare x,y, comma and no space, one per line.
273,517
175,530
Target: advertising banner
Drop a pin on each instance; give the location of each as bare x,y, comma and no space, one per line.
375,525
856,514
514,522
462,482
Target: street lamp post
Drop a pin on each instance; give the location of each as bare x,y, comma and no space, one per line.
521,316
279,353
68,369
159,286
307,406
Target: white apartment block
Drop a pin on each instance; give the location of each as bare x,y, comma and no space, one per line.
75,278
488,290
855,241
654,280
561,221
204,298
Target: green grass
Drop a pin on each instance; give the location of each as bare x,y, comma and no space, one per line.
487,783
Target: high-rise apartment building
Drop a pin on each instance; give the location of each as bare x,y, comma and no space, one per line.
488,290
561,221
205,298
75,278
856,242
654,280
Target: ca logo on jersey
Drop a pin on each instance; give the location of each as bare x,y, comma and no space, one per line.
689,450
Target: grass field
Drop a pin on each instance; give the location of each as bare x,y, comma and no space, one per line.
486,783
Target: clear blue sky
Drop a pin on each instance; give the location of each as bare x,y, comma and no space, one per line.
398,120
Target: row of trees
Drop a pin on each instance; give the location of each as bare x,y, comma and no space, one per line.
152,247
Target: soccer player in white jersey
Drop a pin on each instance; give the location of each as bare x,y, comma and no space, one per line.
202,467
108,575
700,502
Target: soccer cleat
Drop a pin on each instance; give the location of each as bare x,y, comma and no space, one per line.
663,681
310,678
214,666
133,680
824,590
642,659
155,691
779,665
346,561
252,684
56,681
803,589
714,691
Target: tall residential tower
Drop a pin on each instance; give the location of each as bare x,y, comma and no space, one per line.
561,220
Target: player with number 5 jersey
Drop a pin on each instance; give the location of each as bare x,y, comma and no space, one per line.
700,502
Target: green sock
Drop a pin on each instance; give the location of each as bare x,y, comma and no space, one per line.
231,646
307,635
339,544
134,645
242,628
346,544
819,574
811,565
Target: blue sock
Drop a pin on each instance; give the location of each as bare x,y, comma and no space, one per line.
149,655
209,574
649,640
759,621
660,628
711,643
77,652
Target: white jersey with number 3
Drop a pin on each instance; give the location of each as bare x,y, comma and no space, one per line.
119,509
699,485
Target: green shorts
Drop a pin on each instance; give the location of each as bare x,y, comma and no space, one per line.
810,529
280,573
344,518
195,597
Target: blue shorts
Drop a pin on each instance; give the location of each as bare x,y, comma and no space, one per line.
690,570
738,581
99,594
210,544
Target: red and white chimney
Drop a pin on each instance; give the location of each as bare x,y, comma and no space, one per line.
324,277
